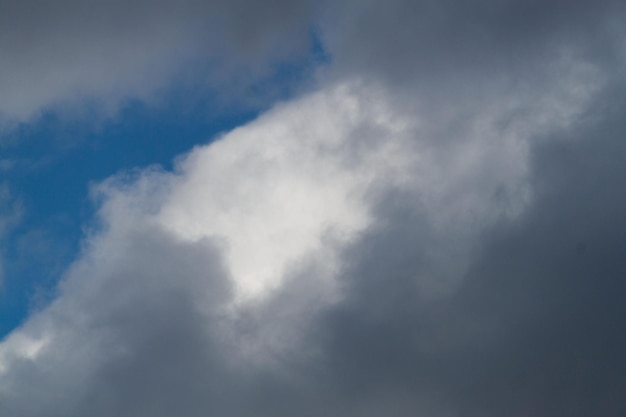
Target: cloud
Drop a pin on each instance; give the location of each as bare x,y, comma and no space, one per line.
420,42
437,230
203,284
70,52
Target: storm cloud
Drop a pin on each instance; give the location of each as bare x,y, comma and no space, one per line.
437,229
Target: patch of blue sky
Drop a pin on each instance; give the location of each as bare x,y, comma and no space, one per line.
55,159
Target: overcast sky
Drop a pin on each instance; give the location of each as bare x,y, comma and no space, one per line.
312,208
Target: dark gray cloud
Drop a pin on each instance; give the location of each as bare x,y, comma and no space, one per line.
535,328
418,42
483,269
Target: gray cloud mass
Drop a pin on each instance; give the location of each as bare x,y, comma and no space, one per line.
67,53
437,231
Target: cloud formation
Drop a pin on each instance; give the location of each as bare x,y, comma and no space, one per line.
436,231
72,52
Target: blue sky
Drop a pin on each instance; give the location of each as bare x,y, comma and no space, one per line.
312,208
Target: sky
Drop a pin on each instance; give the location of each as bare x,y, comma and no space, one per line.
312,208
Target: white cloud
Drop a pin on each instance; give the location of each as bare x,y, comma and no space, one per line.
281,187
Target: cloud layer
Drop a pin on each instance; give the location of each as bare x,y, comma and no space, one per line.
437,230
72,52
